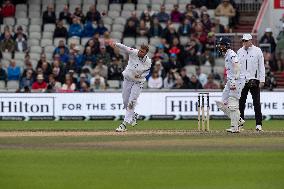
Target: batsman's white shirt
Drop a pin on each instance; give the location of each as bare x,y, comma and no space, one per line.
231,58
137,68
134,77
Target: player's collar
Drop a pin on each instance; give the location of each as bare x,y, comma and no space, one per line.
143,59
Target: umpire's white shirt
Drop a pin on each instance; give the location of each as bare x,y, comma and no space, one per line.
252,63
136,66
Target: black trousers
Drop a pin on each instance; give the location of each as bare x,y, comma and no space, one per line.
255,93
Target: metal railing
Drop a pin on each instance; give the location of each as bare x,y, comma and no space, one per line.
249,5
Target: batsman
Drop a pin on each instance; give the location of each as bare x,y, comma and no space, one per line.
234,85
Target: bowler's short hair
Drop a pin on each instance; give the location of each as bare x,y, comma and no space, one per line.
145,47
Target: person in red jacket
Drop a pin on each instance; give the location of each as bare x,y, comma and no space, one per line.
40,85
8,9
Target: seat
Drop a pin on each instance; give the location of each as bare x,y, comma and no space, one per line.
183,40
23,21
47,35
34,7
35,35
219,62
160,2
116,35
75,2
46,2
120,20
34,15
156,7
126,13
35,49
141,40
34,2
49,27
184,1
142,7
129,41
85,40
155,41
145,2
169,7
89,2
21,14
113,14
171,2
117,28
128,6
108,26
2,85
102,2
23,27
20,62
46,42
190,69
33,42
115,7
34,28
61,2
10,21
73,7
49,56
21,7
49,49
19,55
59,8
206,69
35,56
113,84
107,20
102,8
12,85
7,55
219,70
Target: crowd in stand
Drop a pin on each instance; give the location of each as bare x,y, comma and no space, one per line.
89,69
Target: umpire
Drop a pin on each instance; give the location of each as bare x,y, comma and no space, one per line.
252,66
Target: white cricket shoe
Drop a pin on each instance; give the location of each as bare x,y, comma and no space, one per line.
134,119
258,128
233,129
241,124
121,128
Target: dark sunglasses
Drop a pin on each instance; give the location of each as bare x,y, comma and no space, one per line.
245,40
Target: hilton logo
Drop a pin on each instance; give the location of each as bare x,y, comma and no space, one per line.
26,106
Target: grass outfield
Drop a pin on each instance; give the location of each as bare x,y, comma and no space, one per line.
150,161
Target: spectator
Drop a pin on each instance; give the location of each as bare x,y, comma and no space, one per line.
268,60
162,54
115,69
104,40
93,14
149,12
21,43
1,16
159,69
190,57
46,70
75,28
71,64
60,30
58,74
61,44
13,71
7,29
268,39
176,14
78,57
210,45
64,56
169,81
81,84
155,81
3,74
190,13
185,28
41,61
179,84
184,77
169,33
104,56
156,28
202,77
117,55
101,29
281,33
84,87
129,29
65,15
225,9
27,62
207,59
147,19
210,84
39,85
133,18
53,85
177,48
280,54
143,30
194,83
79,14
270,81
8,9
97,83
69,85
205,20
218,28
89,57
28,80
7,44
172,63
88,30
20,31
49,16
101,69
162,15
94,44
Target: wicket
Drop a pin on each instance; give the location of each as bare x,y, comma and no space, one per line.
201,110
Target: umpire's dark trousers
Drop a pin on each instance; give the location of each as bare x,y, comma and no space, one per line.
255,93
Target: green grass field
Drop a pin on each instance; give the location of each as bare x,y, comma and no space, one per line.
151,160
